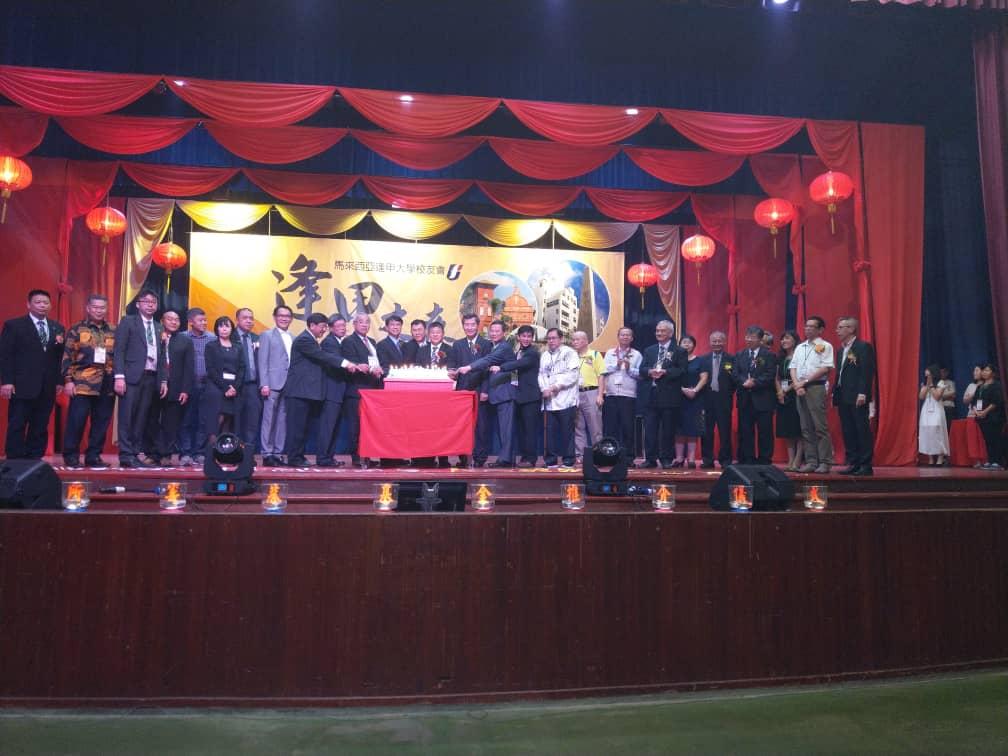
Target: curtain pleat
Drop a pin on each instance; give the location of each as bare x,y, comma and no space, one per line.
246,102
72,93
126,135
301,188
416,152
509,232
662,243
21,131
321,221
146,224
178,180
586,125
422,115
414,226
223,216
274,145
595,235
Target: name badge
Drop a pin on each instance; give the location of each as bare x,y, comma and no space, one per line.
228,376
617,379
979,404
373,362
784,385
99,356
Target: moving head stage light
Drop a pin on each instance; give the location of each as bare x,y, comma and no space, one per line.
228,467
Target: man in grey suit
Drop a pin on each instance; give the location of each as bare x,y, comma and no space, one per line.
139,370
499,390
274,362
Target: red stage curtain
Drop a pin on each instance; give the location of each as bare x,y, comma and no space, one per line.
21,131
416,194
633,205
585,125
418,153
549,160
706,301
425,115
178,180
780,176
732,134
894,182
527,199
126,135
990,62
274,145
762,278
72,93
88,272
245,102
684,167
301,188
716,214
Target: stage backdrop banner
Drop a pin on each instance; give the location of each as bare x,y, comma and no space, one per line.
568,289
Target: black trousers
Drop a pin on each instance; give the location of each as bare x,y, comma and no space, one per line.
28,425
134,408
169,420
351,412
481,436
618,420
660,425
751,422
560,436
527,431
99,409
993,440
299,412
857,437
718,416
248,413
328,430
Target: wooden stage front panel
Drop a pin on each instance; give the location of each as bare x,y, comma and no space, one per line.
113,608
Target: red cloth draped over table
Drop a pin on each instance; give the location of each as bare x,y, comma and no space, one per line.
894,181
301,188
416,194
72,93
966,444
716,215
685,167
244,102
21,131
586,125
126,135
416,152
549,160
425,115
178,180
730,133
400,423
274,145
527,199
633,205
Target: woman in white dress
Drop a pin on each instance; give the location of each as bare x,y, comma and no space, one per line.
932,430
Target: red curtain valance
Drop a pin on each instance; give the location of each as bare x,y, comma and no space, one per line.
529,200
301,188
550,160
416,152
635,206
730,133
586,125
416,194
422,115
21,131
274,145
126,135
684,167
178,180
72,93
252,102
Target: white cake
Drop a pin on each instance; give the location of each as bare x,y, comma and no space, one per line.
417,373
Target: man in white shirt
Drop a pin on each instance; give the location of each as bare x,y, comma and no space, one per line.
810,367
559,370
274,362
622,365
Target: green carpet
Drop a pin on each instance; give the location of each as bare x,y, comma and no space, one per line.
961,713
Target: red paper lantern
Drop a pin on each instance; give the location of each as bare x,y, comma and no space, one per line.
774,213
698,249
829,189
642,275
105,222
170,257
14,176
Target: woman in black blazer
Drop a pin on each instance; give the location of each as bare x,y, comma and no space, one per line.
225,365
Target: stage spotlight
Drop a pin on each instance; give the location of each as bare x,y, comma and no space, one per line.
604,468
228,467
782,5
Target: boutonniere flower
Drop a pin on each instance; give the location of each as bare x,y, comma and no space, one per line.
852,358
820,348
85,337
59,338
759,362
727,367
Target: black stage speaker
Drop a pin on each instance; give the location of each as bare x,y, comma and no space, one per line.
773,491
431,496
28,484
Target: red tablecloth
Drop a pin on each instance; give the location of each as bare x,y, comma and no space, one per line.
966,444
398,423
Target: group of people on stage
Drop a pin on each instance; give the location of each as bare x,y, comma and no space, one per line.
179,388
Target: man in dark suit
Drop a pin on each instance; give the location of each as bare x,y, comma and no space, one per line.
852,397
757,368
718,400
434,353
663,365
390,349
305,389
501,394
463,352
31,354
360,349
139,368
176,387
335,381
523,371
418,339
250,400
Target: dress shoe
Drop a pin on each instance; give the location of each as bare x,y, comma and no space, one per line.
129,463
808,468
707,466
648,464
500,465
96,463
298,462
864,470
524,464
329,463
822,469
71,461
852,470
677,463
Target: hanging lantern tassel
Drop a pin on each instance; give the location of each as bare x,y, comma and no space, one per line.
774,213
3,213
831,207
15,175
829,189
642,275
170,257
698,249
105,222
